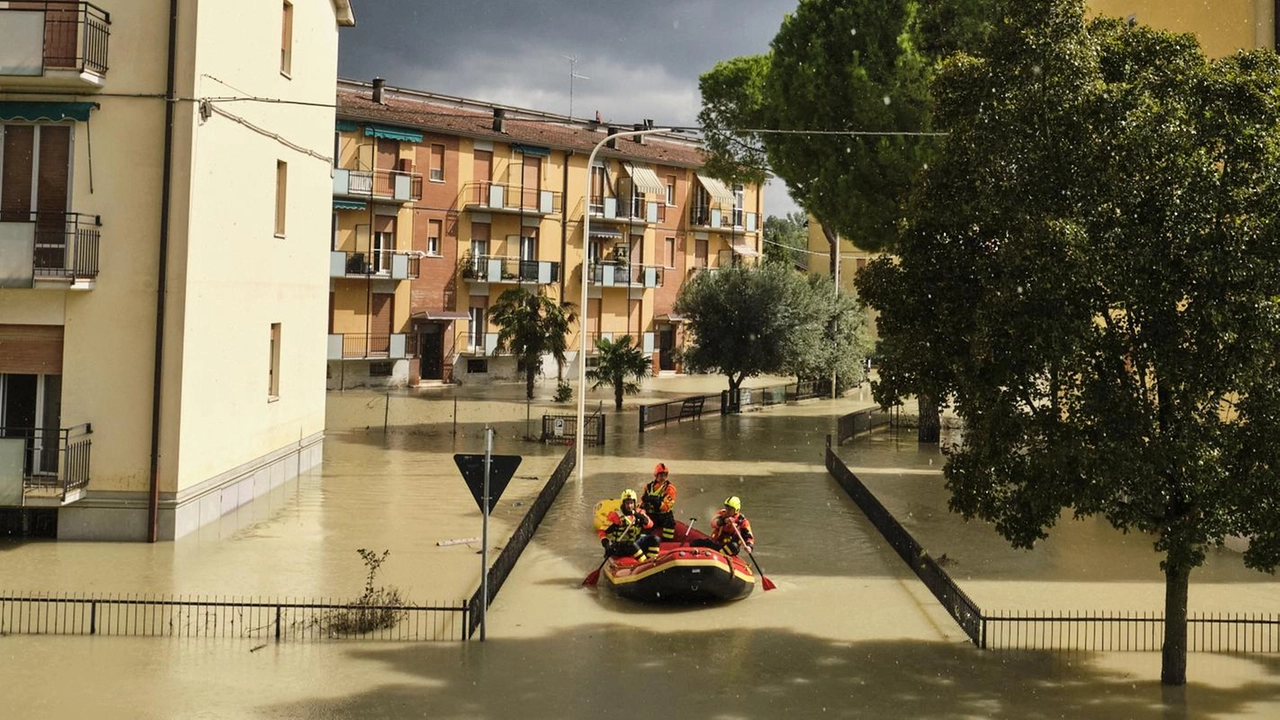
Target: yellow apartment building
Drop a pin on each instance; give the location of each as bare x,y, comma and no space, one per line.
165,172
459,200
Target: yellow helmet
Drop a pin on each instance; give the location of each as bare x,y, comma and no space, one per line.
629,494
733,502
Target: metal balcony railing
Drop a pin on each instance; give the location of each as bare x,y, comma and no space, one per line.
487,195
378,184
637,210
495,269
472,342
377,263
54,461
615,274
710,216
367,346
57,245
66,35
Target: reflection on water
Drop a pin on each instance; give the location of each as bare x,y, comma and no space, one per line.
848,632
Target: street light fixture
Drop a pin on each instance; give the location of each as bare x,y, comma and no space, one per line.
582,309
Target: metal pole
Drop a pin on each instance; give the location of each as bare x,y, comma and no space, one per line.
484,534
582,309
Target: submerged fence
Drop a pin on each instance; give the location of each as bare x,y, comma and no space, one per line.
563,429
863,421
1082,631
221,617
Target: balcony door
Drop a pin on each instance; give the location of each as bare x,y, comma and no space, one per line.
34,186
381,324
385,159
530,182
529,255
482,172
30,410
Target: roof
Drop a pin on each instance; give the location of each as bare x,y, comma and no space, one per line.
459,116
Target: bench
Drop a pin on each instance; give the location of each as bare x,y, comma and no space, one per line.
691,408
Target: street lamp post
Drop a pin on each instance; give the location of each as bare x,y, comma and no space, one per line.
582,309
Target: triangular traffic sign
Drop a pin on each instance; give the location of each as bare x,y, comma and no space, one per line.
501,468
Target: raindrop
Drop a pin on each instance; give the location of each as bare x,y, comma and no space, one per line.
887,100
853,31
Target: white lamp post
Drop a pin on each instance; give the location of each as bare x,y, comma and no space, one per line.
582,309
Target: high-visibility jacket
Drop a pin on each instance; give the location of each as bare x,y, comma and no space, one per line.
722,527
626,528
658,496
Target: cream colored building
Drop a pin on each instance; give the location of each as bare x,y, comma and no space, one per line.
1223,26
162,297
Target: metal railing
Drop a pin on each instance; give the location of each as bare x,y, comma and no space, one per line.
224,617
65,244
1129,631
498,269
687,408
520,538
512,198
394,264
387,184
563,429
961,608
371,345
621,274
55,461
75,34
863,421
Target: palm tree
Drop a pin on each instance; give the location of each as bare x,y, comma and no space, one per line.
530,326
621,364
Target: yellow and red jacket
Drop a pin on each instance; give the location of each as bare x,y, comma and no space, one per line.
722,527
625,528
658,496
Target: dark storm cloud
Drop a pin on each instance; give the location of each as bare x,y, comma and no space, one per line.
643,58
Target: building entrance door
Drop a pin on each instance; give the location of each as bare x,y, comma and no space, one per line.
430,351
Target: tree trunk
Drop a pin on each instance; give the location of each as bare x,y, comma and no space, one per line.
734,405
528,381
930,428
617,395
833,246
1173,656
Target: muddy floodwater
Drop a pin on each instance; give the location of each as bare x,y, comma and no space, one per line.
849,631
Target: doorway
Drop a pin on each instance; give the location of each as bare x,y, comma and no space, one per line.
431,351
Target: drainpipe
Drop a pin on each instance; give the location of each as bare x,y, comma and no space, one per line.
564,222
153,494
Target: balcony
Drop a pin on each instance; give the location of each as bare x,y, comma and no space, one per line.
713,218
367,346
394,185
501,198
470,342
493,269
41,247
56,43
610,274
43,467
645,340
612,209
383,264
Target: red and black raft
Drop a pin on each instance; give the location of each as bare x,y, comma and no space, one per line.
680,574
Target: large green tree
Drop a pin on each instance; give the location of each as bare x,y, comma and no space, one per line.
621,365
748,321
843,100
786,239
531,326
1101,235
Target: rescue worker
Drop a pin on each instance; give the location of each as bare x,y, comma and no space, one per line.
723,538
659,499
628,532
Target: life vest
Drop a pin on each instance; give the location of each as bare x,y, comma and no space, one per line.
620,531
659,496
722,532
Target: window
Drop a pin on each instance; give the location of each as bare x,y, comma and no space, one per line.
737,205
273,372
599,181
669,252
380,369
671,189
282,180
286,40
437,163
475,333
433,237
477,365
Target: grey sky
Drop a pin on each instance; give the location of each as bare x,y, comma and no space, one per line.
642,59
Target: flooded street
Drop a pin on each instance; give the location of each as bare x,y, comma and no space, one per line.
850,631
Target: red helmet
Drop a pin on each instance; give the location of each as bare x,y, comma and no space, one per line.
660,469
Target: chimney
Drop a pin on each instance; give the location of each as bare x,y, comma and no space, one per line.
499,120
613,142
378,86
638,138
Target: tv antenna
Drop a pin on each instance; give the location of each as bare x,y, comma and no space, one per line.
573,60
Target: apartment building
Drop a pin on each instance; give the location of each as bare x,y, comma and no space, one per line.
165,172
440,204
1223,26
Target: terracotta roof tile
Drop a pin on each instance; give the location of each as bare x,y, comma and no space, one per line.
435,115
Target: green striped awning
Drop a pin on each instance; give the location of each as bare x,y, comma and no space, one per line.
348,205
531,150
345,126
33,111
393,133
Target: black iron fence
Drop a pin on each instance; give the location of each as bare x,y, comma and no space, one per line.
65,244
55,461
688,408
75,34
863,421
520,538
223,617
563,429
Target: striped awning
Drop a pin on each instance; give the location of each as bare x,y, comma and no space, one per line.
393,133
32,111
719,192
645,179
349,205
441,315
745,250
605,233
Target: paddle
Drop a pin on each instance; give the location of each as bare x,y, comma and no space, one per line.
688,529
594,577
765,582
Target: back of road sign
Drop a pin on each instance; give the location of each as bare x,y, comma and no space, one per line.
501,469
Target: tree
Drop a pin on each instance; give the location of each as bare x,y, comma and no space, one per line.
621,365
1100,244
840,351
531,326
748,321
839,66
786,238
